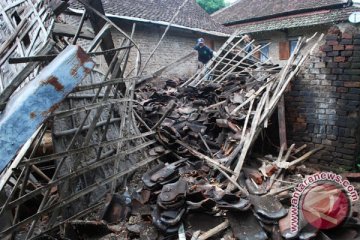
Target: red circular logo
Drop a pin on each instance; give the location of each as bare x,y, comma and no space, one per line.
325,205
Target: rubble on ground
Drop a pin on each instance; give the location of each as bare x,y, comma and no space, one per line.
128,156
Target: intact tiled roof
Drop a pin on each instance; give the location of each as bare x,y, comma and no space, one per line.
191,15
243,10
297,20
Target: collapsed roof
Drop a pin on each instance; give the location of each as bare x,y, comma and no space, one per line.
74,134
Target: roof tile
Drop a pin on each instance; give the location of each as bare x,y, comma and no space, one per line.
249,9
191,15
297,20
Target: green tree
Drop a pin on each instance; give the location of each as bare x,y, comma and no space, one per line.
211,6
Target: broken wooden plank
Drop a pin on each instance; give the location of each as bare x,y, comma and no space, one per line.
41,58
76,173
55,156
282,123
72,131
58,6
67,30
168,111
97,22
212,232
32,59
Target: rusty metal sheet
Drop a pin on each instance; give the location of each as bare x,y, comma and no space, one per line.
28,108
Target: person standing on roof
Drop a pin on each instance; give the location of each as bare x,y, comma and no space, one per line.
204,52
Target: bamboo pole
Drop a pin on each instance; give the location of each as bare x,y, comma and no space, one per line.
212,232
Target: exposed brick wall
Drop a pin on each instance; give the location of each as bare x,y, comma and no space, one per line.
323,104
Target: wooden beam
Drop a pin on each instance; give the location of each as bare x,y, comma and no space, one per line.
282,123
70,31
97,24
58,7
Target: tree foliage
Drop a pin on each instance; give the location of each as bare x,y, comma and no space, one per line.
211,6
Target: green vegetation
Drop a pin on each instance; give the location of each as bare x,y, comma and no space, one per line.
211,6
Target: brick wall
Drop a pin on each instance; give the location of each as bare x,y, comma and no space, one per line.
323,104
176,44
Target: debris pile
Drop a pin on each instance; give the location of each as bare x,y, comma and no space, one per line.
183,199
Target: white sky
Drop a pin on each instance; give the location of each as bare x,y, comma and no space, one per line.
230,1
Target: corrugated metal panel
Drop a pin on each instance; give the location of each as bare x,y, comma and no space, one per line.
39,98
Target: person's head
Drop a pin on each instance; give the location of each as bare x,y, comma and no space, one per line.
200,42
247,38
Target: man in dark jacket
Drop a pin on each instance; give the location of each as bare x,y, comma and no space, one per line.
204,52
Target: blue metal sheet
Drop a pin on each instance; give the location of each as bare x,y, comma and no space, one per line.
30,107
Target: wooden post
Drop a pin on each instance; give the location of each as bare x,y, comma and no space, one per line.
282,123
97,23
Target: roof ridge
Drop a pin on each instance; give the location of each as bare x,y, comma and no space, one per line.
299,20
243,11
285,13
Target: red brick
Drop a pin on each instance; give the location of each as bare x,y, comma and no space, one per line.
339,59
298,127
346,53
338,47
300,120
347,36
349,47
351,146
332,43
326,48
256,176
270,170
352,84
333,53
341,90
330,37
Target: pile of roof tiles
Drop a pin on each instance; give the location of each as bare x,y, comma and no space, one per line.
188,198
204,129
183,185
